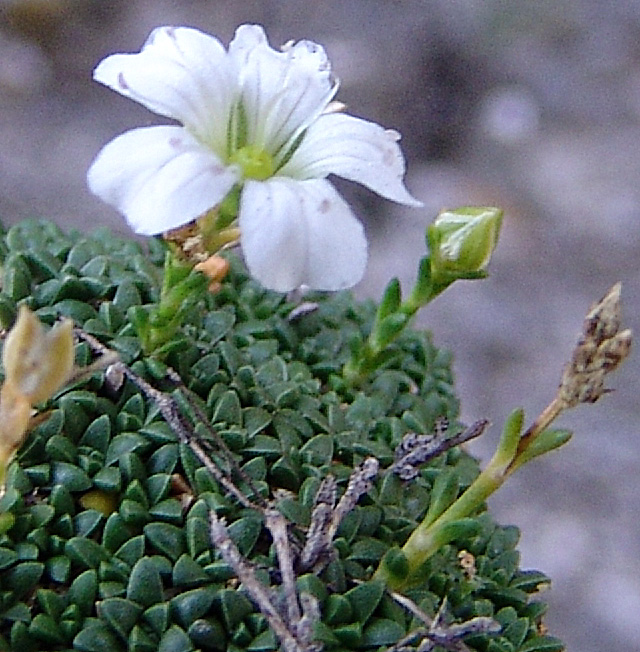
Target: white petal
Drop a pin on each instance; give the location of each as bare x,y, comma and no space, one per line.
297,233
282,92
159,178
355,149
180,73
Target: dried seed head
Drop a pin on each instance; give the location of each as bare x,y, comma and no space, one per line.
601,348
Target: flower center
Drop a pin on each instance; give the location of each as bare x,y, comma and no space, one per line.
255,162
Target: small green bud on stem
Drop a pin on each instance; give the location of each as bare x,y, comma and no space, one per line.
460,243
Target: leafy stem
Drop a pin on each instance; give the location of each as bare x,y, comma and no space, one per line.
602,346
439,527
460,245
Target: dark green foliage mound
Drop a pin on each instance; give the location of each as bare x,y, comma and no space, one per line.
109,550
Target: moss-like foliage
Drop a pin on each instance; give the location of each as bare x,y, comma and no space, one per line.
108,549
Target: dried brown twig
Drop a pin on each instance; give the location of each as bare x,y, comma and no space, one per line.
415,450
437,632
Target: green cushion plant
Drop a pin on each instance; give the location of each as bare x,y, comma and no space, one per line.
105,543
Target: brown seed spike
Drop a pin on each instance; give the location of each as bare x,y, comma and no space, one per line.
600,349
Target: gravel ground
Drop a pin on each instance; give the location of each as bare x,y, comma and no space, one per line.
534,107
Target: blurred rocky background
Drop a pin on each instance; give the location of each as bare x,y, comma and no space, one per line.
532,106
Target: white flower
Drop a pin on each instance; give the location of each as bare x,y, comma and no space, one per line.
259,120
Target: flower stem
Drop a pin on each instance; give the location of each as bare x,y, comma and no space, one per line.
427,539
182,287
514,450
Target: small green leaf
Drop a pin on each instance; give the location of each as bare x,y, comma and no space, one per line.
50,602
60,448
218,323
264,446
255,419
396,563
169,510
444,492
245,532
232,606
58,568
45,629
388,328
79,311
197,536
390,301
131,551
158,485
318,450
543,644
127,442
85,552
164,460
530,581
368,550
364,598
187,573
285,473
83,591
18,612
382,632
175,639
191,605
510,438
208,634
97,434
87,522
127,295
228,409
7,557
516,632
167,539
115,533
21,579
120,614
140,641
108,479
312,585
349,635
70,476
264,641
157,617
337,610
145,586
96,638
546,441
460,529
61,500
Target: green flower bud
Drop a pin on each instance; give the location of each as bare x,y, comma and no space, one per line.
461,241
